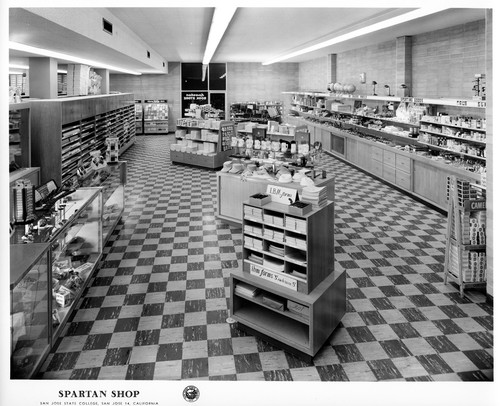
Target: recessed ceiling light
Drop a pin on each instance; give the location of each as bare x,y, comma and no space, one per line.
411,15
220,21
58,55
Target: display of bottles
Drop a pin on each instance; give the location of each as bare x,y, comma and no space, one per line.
459,121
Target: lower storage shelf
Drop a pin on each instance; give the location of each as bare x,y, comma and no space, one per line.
322,310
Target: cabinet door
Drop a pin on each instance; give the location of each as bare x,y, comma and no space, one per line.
430,183
365,156
326,139
352,150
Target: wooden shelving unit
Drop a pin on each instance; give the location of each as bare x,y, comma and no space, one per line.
198,132
465,261
139,115
297,297
155,114
65,130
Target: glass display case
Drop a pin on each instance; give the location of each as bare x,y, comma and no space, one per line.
29,307
74,231
112,180
76,250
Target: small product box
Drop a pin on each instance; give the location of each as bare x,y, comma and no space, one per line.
63,296
297,308
259,199
274,302
299,208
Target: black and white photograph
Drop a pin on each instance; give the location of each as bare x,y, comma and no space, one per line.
240,203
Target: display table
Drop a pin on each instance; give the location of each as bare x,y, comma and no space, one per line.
232,191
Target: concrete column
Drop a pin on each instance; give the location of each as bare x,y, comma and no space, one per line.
43,78
403,66
331,68
104,74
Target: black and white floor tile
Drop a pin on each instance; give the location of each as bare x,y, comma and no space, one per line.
157,307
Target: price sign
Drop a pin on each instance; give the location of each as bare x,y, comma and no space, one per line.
282,194
406,99
274,277
462,103
475,205
418,100
481,104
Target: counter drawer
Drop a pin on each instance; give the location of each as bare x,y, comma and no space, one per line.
403,180
403,163
389,173
389,158
377,153
377,167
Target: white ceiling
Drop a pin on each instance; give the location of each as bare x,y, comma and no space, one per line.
254,35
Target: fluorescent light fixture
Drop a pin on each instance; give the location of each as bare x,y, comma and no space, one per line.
11,72
15,66
74,59
220,21
412,15
62,71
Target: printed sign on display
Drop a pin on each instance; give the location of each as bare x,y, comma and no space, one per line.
275,277
475,205
281,194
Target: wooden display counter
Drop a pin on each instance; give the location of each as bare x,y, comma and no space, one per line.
420,176
232,191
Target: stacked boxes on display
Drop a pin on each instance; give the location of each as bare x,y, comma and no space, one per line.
23,202
78,79
113,149
465,260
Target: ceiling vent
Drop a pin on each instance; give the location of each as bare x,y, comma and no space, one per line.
107,26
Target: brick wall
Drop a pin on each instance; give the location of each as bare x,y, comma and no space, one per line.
445,61
253,81
245,82
153,87
444,64
377,61
313,75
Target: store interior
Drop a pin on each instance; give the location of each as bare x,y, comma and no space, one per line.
251,194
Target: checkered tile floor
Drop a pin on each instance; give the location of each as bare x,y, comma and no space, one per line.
157,307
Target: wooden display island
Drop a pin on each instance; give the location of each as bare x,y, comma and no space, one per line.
288,291
232,191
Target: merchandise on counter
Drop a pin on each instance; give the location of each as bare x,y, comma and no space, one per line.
274,264
246,290
317,196
273,301
297,308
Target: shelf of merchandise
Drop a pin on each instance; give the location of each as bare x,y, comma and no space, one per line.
432,129
81,124
404,162
139,116
297,302
30,268
218,134
465,260
20,146
155,113
256,112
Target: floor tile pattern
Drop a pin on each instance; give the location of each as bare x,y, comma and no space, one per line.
157,307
